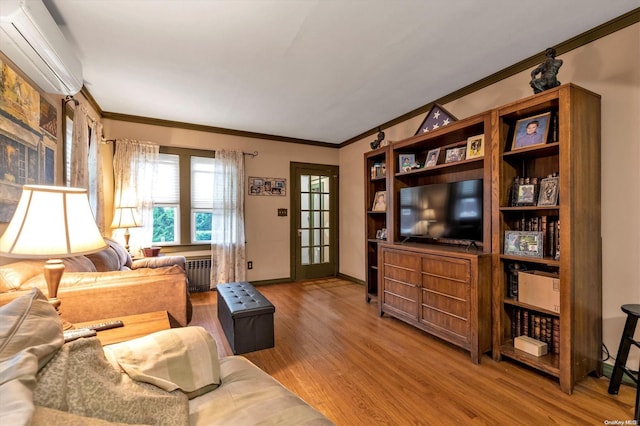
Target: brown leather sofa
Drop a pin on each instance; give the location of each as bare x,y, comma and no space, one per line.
107,284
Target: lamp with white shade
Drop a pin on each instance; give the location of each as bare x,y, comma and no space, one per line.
126,217
52,222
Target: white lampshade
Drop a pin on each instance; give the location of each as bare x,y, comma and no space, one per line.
51,221
126,217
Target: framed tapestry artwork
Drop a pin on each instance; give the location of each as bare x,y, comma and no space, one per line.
28,139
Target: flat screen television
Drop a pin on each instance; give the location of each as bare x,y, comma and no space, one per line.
443,211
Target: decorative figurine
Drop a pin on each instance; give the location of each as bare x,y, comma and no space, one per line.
548,71
375,144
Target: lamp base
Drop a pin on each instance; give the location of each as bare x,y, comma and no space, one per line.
53,270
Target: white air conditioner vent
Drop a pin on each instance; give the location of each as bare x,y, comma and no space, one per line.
32,40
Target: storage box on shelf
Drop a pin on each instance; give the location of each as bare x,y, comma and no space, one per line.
569,232
375,166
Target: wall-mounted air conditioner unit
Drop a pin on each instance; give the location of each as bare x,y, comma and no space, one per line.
32,40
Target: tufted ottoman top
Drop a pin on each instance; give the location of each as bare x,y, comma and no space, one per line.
244,300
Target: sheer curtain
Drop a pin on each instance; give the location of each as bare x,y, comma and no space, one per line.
134,167
227,230
79,149
96,185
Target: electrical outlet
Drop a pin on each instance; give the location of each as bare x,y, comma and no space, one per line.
282,212
249,265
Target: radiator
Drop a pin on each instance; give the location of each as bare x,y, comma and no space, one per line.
199,274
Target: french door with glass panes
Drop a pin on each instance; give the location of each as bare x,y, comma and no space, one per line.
314,210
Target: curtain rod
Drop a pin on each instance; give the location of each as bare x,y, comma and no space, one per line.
253,154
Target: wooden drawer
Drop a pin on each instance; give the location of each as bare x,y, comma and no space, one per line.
401,259
446,267
445,303
446,321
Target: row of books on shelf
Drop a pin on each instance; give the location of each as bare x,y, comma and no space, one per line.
544,328
548,228
534,191
378,170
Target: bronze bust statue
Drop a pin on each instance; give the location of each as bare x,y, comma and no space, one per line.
548,71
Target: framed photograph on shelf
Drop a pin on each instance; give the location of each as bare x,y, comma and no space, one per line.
523,243
379,202
455,154
548,191
407,162
526,195
475,146
432,157
531,131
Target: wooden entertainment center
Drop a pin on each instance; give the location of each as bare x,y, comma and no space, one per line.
466,293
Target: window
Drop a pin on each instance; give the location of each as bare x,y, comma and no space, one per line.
202,170
185,178
166,201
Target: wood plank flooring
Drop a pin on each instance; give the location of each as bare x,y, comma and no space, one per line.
335,352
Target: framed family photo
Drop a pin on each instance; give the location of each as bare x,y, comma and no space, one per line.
379,202
475,146
455,154
523,243
432,157
531,131
548,192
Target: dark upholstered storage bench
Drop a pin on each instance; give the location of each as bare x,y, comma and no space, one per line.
246,317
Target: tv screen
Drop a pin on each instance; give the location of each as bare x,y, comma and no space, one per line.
442,211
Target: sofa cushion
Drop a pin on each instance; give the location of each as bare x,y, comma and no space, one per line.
14,274
184,358
250,396
113,258
30,334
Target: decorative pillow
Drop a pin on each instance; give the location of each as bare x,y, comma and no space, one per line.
181,358
30,334
78,264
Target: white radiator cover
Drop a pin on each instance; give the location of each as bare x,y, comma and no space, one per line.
199,274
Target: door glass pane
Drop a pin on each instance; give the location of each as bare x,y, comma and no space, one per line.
304,238
316,237
316,202
304,255
326,259
324,184
316,219
304,219
325,219
304,183
325,238
304,201
316,255
325,202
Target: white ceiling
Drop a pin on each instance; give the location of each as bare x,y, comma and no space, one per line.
321,70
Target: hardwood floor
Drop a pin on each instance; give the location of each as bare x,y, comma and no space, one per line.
339,355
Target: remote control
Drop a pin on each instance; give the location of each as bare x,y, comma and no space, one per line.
105,325
74,334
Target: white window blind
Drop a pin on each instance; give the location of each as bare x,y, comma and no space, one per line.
167,186
202,170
